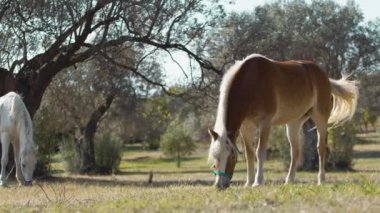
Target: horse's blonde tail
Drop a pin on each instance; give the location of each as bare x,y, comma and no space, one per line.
345,95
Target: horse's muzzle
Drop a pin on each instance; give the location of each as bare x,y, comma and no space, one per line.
222,182
28,183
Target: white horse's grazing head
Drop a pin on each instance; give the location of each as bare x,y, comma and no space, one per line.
223,153
28,164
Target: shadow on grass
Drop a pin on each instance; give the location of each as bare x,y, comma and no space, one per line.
367,154
160,160
86,181
95,181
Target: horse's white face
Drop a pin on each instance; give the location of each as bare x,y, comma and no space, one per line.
28,164
224,156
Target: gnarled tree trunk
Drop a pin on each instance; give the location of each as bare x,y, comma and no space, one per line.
86,145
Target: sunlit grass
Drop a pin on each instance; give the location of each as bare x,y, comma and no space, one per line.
189,188
362,196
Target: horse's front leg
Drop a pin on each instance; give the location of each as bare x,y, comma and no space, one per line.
261,153
4,157
248,132
249,155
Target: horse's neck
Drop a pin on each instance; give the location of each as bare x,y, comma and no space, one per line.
224,132
25,139
26,133
25,145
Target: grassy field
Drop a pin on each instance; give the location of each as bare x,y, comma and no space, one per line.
189,189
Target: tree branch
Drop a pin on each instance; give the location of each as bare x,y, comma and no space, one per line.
135,71
3,8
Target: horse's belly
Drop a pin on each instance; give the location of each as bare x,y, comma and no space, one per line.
292,111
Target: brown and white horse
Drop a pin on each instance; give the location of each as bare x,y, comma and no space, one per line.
258,93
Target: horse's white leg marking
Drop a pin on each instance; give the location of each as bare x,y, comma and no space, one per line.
5,141
248,133
261,153
293,133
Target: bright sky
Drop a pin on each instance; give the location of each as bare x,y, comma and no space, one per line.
370,9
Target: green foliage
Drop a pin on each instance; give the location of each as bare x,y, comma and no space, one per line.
107,154
151,144
342,140
70,156
301,30
46,141
47,146
176,141
278,146
152,118
368,117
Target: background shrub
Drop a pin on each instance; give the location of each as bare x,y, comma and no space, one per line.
278,147
341,143
47,147
107,154
176,141
47,143
70,156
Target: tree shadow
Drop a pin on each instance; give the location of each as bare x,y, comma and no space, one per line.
85,181
367,154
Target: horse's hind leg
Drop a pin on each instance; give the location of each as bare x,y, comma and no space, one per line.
321,125
261,153
293,133
16,151
5,141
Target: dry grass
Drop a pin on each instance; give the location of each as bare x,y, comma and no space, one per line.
189,189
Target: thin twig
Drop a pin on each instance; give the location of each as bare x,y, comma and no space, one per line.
46,195
10,172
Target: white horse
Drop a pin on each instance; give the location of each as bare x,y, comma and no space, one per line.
16,128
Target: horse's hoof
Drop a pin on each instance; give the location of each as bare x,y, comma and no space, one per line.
289,182
255,185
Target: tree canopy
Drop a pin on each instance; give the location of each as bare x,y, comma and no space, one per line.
334,36
41,38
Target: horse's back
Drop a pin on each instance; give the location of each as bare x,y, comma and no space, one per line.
10,104
278,91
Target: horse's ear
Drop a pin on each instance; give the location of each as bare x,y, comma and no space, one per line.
213,134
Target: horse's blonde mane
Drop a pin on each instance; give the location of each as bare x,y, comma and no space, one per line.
224,90
220,124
